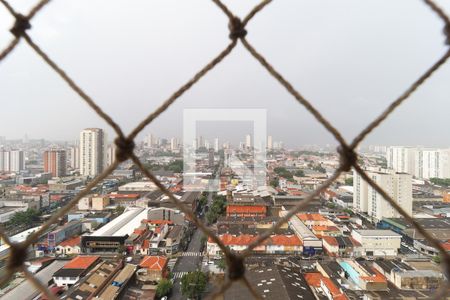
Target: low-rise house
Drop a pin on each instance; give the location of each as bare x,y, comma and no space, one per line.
325,230
275,244
152,269
341,246
69,247
246,211
74,270
174,239
364,276
314,219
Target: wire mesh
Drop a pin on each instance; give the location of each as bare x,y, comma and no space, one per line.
125,145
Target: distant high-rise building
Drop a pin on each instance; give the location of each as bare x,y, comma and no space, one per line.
216,144
211,158
269,142
92,151
367,199
17,161
111,154
74,157
422,163
201,142
173,144
401,159
55,162
248,141
12,160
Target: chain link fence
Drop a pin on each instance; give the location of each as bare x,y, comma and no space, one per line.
125,145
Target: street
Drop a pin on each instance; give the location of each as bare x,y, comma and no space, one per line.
189,261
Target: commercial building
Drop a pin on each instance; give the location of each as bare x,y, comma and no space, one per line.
74,270
311,243
272,282
404,276
96,281
55,162
118,283
384,243
112,236
397,185
93,202
68,230
92,151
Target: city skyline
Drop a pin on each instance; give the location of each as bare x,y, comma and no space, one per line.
376,70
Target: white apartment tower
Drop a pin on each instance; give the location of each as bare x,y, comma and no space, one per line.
248,141
269,142
216,144
92,151
74,157
432,163
401,159
12,160
173,144
367,199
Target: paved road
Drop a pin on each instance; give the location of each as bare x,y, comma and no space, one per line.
189,261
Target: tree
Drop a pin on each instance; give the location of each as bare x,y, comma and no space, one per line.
274,183
193,284
222,264
299,173
441,181
120,209
164,287
437,259
349,181
25,217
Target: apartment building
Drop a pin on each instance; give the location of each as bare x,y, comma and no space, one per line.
92,151
55,162
420,162
12,160
367,200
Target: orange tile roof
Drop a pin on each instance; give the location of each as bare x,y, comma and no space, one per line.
446,245
242,209
130,196
330,240
311,217
158,222
313,279
334,290
325,228
76,241
377,278
81,262
246,239
145,244
157,263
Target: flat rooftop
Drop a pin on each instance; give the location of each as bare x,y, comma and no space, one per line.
26,290
377,232
123,224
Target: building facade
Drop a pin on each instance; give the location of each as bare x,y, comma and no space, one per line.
92,151
368,200
55,162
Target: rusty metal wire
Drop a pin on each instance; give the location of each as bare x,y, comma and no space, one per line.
125,145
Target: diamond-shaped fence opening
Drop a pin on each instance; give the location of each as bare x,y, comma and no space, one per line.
125,144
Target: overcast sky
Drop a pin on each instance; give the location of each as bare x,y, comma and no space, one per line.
350,58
